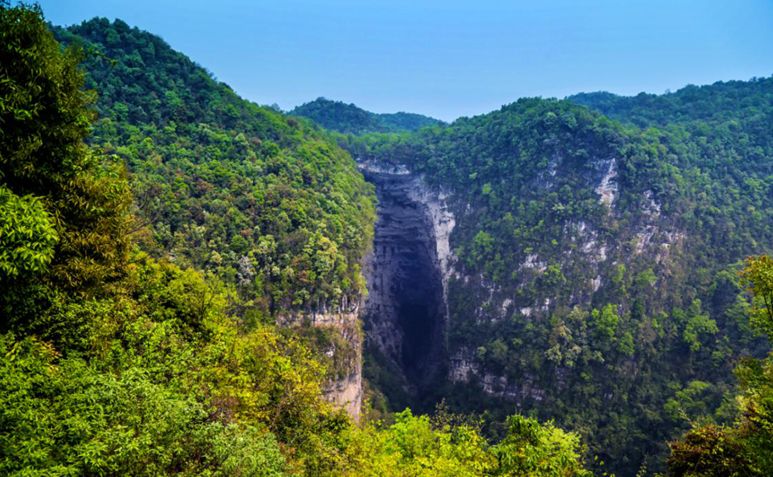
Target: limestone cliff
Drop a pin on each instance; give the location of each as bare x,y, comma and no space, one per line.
408,271
341,352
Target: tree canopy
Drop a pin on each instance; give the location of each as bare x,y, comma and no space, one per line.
118,358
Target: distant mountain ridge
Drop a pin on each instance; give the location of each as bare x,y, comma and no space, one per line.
716,102
351,119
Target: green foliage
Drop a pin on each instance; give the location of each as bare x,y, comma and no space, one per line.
268,204
709,452
697,324
687,403
482,245
349,119
709,104
225,185
758,276
118,361
114,365
533,449
27,235
412,447
747,447
420,446
606,321
597,249
52,187
115,362
42,106
66,417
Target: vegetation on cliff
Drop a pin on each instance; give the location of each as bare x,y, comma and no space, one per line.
597,260
746,447
126,346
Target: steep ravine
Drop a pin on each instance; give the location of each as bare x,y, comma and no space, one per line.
405,313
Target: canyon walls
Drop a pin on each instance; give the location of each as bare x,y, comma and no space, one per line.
407,273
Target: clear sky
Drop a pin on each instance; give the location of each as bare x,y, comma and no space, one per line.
449,58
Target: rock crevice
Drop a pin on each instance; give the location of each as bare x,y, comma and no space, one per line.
407,272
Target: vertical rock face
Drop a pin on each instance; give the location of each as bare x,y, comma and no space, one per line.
442,222
406,310
607,188
405,313
344,354
345,389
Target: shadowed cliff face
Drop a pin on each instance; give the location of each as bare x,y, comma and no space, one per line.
405,313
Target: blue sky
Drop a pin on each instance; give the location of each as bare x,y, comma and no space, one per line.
451,58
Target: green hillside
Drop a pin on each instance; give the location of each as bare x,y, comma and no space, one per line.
260,199
350,119
175,262
714,104
142,264
596,261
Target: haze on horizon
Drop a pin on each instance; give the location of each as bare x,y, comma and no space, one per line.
451,58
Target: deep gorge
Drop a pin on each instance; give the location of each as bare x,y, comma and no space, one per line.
405,312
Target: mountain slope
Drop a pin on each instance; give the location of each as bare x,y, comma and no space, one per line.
350,119
116,363
594,264
258,198
716,103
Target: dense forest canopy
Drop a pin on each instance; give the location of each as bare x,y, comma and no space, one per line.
597,256
142,263
350,119
163,243
717,103
260,199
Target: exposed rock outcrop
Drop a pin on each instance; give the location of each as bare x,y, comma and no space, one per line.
407,275
344,385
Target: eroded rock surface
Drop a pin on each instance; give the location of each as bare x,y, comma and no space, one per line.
406,309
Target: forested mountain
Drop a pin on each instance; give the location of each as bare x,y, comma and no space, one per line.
182,274
594,263
350,119
258,198
146,258
718,103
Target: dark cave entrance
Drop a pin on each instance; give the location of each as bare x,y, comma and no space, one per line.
419,302
405,311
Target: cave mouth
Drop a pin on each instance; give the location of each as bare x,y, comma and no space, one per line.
419,317
405,311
